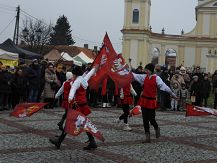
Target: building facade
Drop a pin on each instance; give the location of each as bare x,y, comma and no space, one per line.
196,48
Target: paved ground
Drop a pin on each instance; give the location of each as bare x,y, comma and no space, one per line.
191,139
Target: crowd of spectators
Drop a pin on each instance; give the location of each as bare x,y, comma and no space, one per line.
39,81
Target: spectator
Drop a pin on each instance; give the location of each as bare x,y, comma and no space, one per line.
185,76
205,88
51,84
19,87
174,103
34,80
164,96
5,88
184,95
177,78
198,73
195,91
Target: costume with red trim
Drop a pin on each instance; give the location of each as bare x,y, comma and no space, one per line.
66,90
148,98
80,102
128,98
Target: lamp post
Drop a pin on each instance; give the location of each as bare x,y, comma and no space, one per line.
32,38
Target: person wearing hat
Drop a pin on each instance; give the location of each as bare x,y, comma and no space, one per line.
195,90
64,89
150,82
77,100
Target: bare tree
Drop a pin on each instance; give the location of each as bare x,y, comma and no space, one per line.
35,34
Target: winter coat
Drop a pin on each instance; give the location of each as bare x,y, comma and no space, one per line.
19,85
50,77
205,88
195,89
179,80
34,77
5,78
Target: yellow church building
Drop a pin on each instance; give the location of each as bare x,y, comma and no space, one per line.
196,48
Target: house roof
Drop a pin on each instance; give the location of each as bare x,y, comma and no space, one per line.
74,50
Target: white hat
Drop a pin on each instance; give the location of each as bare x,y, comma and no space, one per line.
69,75
182,68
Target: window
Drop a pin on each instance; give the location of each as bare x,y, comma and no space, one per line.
136,16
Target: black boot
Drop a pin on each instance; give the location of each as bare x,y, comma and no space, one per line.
147,138
57,141
60,124
157,132
92,143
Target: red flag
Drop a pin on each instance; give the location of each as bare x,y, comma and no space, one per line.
26,109
135,111
118,70
109,46
112,64
192,110
77,123
101,74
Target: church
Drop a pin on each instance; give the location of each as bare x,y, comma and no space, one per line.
195,48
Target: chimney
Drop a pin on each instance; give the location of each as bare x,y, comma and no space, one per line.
95,49
86,46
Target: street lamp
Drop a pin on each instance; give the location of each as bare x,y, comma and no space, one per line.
38,33
25,32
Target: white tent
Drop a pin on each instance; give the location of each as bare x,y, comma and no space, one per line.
5,55
67,57
9,58
84,57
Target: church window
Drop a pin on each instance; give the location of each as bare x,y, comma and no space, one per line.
135,16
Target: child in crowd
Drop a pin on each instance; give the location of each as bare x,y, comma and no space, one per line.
184,96
176,91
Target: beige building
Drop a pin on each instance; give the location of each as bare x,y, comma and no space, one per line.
196,48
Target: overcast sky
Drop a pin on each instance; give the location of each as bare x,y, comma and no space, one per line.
90,19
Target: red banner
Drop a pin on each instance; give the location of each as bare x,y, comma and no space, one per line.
77,123
110,64
26,109
118,70
101,74
192,110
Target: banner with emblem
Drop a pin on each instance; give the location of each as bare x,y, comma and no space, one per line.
26,109
119,71
192,110
110,64
76,123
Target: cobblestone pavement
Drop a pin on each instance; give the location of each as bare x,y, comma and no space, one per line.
191,139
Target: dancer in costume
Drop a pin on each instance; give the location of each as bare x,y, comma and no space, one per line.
126,96
77,100
65,89
150,82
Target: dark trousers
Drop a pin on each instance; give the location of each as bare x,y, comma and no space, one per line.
215,101
148,115
125,115
64,116
50,102
63,135
4,100
204,99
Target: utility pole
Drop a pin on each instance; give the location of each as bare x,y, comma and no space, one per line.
16,30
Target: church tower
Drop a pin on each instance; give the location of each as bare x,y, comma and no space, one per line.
136,22
196,48
206,16
137,14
